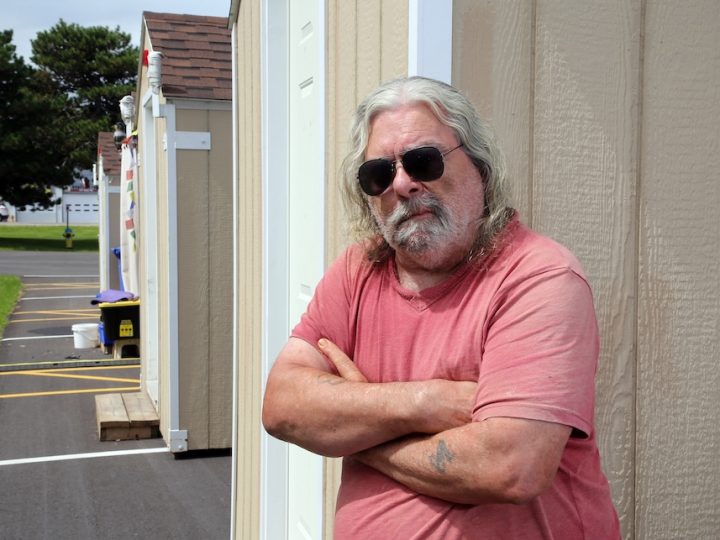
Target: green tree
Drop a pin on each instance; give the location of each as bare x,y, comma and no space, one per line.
34,154
94,67
50,114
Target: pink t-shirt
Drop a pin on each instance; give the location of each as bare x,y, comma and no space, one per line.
523,326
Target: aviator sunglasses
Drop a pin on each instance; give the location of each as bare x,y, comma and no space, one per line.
423,164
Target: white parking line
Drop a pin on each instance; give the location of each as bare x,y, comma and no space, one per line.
56,297
90,455
58,276
36,337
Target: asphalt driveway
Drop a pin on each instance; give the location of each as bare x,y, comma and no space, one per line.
57,480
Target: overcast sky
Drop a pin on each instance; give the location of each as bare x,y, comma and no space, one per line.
28,17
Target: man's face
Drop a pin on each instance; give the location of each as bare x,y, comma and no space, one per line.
432,223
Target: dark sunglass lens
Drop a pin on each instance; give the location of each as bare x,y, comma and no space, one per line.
424,163
376,175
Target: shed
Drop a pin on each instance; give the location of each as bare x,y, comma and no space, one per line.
107,179
608,115
185,226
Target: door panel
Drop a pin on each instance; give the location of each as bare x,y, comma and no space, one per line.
306,239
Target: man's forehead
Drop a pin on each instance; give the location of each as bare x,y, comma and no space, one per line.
406,127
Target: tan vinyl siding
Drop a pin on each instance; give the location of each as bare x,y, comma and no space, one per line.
493,65
248,256
220,253
204,240
609,115
205,280
193,304
113,210
678,390
367,45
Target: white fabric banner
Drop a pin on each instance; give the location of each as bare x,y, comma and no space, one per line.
128,224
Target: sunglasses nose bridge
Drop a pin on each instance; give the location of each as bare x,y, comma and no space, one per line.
403,182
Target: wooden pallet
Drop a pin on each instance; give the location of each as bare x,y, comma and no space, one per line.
122,417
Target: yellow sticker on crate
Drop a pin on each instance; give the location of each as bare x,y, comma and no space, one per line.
126,328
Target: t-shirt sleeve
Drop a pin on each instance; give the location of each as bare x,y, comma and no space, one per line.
328,312
541,351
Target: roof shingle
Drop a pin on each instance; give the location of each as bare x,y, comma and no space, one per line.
110,154
197,62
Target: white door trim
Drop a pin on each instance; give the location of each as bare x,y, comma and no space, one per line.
430,39
275,173
148,220
275,156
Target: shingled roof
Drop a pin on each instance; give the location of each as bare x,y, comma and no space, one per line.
197,62
110,154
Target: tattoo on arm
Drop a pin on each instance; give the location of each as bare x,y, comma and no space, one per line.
439,459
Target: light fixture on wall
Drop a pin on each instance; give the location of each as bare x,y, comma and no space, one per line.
127,110
119,135
154,72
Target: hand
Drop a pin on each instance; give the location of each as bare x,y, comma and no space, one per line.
345,367
439,404
445,405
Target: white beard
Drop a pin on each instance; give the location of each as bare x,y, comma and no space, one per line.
418,236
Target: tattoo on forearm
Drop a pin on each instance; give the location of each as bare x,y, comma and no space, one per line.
443,456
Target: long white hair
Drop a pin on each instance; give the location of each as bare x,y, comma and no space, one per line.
452,109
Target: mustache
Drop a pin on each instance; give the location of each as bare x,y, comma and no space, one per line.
410,207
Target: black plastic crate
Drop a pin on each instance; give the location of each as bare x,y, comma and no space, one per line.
121,320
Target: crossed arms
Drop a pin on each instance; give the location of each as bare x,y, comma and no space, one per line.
419,433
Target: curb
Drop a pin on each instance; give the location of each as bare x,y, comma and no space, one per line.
66,364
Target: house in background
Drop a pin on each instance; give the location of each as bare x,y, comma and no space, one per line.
76,204
608,115
184,222
107,179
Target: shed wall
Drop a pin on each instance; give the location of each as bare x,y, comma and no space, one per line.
678,341
204,207
608,114
113,239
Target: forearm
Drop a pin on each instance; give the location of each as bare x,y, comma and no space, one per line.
329,415
341,414
474,464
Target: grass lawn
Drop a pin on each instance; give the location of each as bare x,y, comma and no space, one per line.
47,238
9,293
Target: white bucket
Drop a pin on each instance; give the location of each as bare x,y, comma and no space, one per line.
86,335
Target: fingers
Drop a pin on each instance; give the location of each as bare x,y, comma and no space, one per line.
346,368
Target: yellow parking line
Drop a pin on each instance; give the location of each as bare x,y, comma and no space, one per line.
53,311
84,317
82,377
57,363
65,392
56,370
96,368
78,287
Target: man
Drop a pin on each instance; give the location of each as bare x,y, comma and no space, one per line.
449,356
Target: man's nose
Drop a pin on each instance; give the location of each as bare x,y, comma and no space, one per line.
404,184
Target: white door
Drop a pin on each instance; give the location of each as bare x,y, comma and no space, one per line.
306,196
